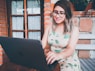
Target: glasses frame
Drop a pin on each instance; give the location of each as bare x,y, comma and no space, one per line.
59,13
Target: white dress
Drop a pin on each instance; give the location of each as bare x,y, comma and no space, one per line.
71,63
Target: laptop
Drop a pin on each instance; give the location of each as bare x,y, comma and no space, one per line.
25,52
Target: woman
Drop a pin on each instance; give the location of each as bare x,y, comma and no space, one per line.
62,37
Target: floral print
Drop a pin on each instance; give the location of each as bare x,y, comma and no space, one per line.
56,40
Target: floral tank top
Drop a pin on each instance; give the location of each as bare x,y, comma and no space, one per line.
58,42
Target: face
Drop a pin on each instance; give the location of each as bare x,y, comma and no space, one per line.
58,14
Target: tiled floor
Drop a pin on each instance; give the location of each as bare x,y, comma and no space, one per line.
88,64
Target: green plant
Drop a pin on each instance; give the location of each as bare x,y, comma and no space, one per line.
80,5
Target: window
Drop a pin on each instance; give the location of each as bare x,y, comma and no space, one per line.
26,19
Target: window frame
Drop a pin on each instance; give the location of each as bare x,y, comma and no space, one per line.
8,2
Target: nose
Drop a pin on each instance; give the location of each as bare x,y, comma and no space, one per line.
58,15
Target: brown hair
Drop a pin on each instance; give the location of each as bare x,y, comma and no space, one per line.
66,6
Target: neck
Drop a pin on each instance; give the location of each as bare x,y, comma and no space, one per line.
58,27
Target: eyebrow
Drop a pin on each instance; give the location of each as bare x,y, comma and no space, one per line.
59,11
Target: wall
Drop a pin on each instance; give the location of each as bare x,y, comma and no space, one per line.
86,28
3,24
3,19
48,6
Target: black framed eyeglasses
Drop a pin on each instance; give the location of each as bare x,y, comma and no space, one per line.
60,13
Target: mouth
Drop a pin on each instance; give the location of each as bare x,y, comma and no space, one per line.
57,19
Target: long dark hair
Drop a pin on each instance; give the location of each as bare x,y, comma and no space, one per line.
66,6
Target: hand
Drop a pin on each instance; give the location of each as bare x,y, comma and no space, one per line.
52,57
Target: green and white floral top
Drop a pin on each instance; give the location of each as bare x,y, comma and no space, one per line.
58,42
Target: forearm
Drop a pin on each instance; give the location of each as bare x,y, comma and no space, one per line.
67,52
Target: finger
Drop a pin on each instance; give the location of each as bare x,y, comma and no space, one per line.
50,54
53,60
50,59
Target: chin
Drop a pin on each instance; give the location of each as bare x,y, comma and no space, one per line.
58,22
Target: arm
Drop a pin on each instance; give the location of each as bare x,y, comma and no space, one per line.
44,40
72,43
73,40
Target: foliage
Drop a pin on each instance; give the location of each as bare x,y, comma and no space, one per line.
80,5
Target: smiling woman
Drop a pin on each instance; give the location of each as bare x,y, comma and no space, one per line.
61,37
